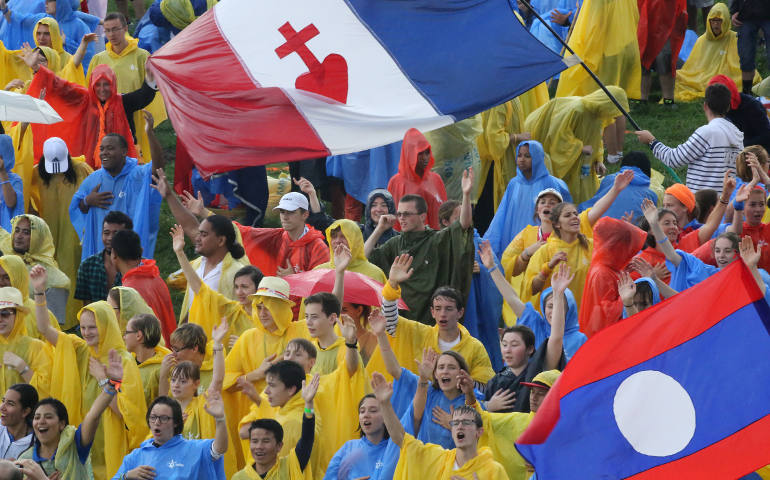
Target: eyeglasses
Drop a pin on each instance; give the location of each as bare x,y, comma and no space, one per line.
159,419
465,422
129,331
177,350
406,214
116,29
7,313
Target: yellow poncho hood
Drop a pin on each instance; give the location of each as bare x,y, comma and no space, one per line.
419,460
109,332
17,272
600,105
180,13
54,61
57,40
131,303
133,44
358,262
41,249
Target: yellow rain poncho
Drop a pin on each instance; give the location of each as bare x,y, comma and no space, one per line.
12,67
521,241
150,373
454,149
230,267
34,353
128,66
711,55
41,250
533,99
565,125
496,148
604,37
180,13
248,353
426,460
285,468
131,303
19,276
358,262
578,259
501,430
73,384
210,306
198,423
66,462
329,358
66,69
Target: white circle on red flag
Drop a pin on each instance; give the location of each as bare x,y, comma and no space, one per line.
654,413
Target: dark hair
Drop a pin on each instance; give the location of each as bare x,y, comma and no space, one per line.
468,409
116,217
446,209
70,176
306,345
270,425
718,99
290,373
121,139
645,290
448,292
329,302
59,408
223,227
527,335
186,369
705,199
361,402
460,361
149,325
176,412
114,295
191,335
252,272
116,16
637,159
643,224
555,214
731,236
27,398
419,202
126,245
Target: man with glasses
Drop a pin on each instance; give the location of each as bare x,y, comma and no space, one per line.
188,343
170,456
441,257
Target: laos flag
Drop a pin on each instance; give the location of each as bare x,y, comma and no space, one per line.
679,391
259,81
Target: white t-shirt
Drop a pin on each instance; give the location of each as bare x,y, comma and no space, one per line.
11,449
444,346
211,279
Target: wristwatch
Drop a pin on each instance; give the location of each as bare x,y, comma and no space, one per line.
103,382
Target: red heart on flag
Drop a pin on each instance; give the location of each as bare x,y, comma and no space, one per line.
329,79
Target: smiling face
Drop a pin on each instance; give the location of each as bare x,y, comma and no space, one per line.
379,207
446,372
465,432
569,221
162,428
515,351
103,89
724,253
263,446
670,226
670,202
43,35
12,413
7,321
446,314
47,425
88,328
112,154
545,204
22,234
755,207
548,314
277,393
318,323
370,417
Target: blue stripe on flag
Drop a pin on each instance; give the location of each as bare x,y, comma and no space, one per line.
464,56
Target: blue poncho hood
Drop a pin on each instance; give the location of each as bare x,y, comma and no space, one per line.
573,338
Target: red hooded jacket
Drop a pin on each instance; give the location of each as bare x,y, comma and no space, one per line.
86,120
146,280
406,181
615,244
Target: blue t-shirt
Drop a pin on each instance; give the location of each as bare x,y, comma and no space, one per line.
177,459
361,458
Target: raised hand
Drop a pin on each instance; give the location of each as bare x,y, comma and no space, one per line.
623,179
309,389
728,185
428,364
348,328
743,192
38,277
400,270
305,185
386,221
177,238
377,321
561,279
465,382
114,368
214,405
466,184
502,400
149,120
381,388
342,257
219,332
160,183
650,211
626,288
660,271
194,204
247,388
643,267
486,255
749,254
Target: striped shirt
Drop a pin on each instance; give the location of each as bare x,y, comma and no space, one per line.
708,153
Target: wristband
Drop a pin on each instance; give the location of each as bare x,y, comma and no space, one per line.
219,419
116,384
110,391
24,370
738,206
41,304
663,241
628,306
309,411
353,345
724,202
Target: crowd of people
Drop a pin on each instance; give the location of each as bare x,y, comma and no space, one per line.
489,251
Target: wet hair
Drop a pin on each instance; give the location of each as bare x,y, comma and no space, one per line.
705,200
270,425
731,236
448,292
70,175
187,370
116,217
643,224
176,412
446,209
556,213
126,245
526,333
58,407
305,345
472,411
121,139
360,403
718,99
149,325
27,399
330,304
460,361
223,227
116,16
637,159
252,272
290,373
742,169
645,290
190,335
419,202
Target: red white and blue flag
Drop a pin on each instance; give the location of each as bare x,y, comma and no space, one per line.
678,391
254,82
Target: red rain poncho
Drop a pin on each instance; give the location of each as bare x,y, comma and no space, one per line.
406,181
86,120
615,244
146,280
660,21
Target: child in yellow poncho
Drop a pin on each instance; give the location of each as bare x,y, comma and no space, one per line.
570,130
715,52
142,336
78,372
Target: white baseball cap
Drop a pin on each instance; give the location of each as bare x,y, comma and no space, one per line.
549,191
292,201
55,153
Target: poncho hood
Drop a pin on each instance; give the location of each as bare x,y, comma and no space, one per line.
57,40
104,72
414,143
110,337
374,195
539,169
719,10
17,272
616,242
131,303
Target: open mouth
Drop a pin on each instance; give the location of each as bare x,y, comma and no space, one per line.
460,435
42,430
155,431
445,381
